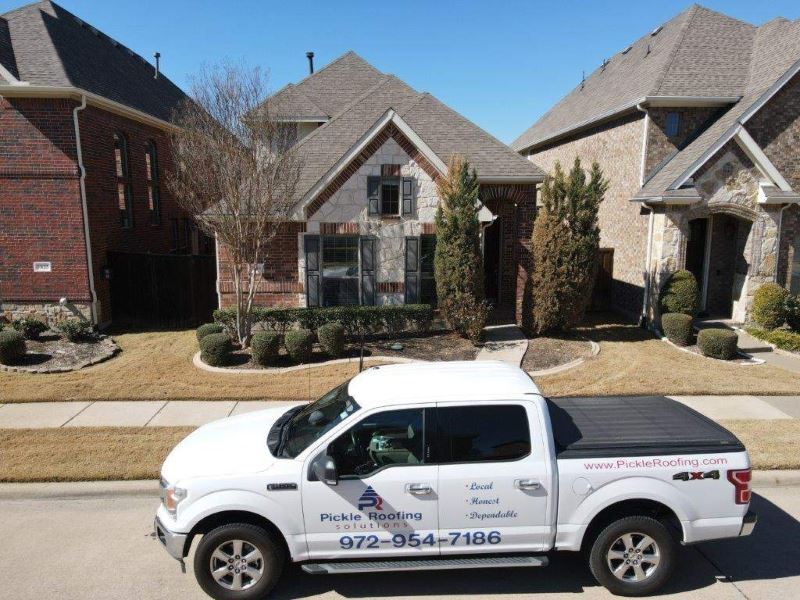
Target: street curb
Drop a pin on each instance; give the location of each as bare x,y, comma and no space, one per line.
776,478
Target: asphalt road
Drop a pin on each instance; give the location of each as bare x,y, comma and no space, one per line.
99,546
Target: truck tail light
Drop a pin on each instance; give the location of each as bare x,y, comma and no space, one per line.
740,479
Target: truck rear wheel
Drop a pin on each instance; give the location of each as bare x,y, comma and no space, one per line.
633,556
238,561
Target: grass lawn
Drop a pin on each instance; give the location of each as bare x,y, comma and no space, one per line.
633,362
114,453
158,365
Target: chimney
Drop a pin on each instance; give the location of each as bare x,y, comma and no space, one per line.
310,57
157,56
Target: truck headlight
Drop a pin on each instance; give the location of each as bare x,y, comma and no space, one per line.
171,496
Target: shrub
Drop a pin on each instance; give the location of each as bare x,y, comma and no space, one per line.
208,328
76,330
331,339
419,317
299,344
12,346
215,349
717,343
30,327
468,316
392,321
265,346
769,308
786,340
678,328
680,294
792,307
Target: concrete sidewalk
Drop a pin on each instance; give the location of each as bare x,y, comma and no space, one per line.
506,343
195,412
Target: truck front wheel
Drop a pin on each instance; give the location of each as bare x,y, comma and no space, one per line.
633,556
238,561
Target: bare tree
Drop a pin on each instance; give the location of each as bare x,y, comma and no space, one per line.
236,171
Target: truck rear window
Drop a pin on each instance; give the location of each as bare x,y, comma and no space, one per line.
482,433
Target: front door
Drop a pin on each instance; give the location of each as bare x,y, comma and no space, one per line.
385,502
494,479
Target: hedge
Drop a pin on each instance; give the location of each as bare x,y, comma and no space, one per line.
414,318
209,328
786,340
331,339
679,294
718,343
299,344
678,328
215,349
769,305
30,327
792,307
265,346
12,346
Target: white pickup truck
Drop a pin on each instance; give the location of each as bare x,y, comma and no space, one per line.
450,466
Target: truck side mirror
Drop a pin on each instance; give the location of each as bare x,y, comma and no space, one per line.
325,470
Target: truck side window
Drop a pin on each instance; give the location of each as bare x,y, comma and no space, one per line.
482,433
385,439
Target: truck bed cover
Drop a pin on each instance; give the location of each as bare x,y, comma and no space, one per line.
634,426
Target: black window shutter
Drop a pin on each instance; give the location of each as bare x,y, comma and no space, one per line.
412,270
368,260
408,196
312,249
373,195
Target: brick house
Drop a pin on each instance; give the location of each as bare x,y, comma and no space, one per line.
697,126
83,152
362,229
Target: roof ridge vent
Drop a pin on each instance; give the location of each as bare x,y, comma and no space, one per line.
656,30
628,49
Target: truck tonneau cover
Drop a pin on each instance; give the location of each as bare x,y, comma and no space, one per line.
621,426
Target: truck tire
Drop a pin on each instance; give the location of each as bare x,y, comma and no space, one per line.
633,556
238,561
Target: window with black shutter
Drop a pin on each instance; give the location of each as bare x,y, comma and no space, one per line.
420,281
412,270
340,270
389,194
311,243
368,261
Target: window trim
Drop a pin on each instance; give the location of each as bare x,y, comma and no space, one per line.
122,176
397,181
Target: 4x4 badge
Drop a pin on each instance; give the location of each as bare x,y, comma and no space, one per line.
695,475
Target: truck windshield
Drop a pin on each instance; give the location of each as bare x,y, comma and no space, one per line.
315,419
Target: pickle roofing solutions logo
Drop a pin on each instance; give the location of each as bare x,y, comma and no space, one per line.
370,499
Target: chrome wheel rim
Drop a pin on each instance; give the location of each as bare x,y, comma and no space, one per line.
237,565
633,557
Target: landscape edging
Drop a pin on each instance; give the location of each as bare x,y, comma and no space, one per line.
198,362
570,365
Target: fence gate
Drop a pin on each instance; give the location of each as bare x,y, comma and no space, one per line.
601,295
162,290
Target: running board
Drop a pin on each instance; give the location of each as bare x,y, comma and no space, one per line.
424,564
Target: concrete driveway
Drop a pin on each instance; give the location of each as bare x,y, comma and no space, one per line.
59,542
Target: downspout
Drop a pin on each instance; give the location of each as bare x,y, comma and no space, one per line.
778,247
87,239
650,220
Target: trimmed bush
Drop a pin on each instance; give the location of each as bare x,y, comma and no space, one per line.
680,294
30,327
678,328
419,317
468,316
209,328
215,349
717,343
265,346
331,339
12,346
769,309
76,330
299,344
792,307
786,340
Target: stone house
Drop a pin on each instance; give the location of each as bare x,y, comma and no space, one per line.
84,125
697,126
362,229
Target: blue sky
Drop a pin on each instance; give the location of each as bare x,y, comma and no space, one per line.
501,63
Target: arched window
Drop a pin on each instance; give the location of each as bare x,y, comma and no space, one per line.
153,189
123,173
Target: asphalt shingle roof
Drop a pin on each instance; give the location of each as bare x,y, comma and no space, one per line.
46,45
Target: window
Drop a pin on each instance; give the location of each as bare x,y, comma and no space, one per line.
427,283
673,125
482,433
124,193
390,196
387,439
339,270
153,190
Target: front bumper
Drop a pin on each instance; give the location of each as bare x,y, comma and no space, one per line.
748,523
174,543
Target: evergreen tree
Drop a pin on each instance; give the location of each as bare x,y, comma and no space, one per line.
566,239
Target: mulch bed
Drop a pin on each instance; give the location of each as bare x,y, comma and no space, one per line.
54,354
548,352
433,347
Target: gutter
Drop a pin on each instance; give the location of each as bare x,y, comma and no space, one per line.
85,210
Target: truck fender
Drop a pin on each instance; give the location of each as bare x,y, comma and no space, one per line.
628,488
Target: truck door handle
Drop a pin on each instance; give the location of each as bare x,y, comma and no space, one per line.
418,489
527,484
